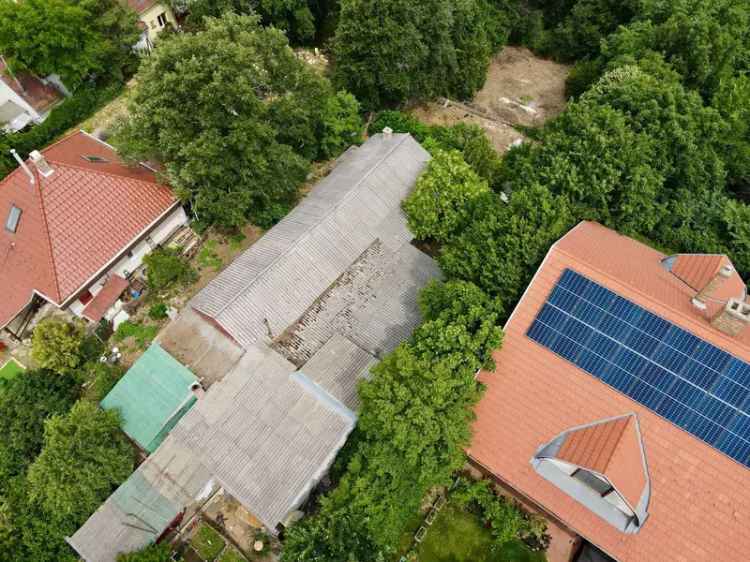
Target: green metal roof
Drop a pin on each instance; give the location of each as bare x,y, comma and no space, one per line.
152,397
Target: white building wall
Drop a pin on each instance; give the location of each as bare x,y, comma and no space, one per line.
7,94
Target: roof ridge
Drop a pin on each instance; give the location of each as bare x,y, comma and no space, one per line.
37,188
307,232
108,174
725,338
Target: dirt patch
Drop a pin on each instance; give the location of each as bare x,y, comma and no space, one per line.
107,116
521,90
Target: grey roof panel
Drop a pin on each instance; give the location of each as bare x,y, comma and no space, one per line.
282,274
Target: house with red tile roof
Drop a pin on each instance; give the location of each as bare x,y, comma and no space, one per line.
153,17
620,403
77,222
24,98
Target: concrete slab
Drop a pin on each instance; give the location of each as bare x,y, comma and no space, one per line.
200,347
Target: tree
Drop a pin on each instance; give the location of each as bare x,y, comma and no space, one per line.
504,243
342,124
443,200
84,457
56,345
71,38
165,267
414,422
25,403
256,113
291,16
152,553
388,51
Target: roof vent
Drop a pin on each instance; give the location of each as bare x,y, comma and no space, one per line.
41,163
388,132
197,389
23,165
734,318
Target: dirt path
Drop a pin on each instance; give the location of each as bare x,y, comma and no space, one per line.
521,89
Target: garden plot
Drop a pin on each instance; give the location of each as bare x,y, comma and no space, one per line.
522,90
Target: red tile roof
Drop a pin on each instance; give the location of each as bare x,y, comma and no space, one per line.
36,93
105,298
700,498
73,222
140,6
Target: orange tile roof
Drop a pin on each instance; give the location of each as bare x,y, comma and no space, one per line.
700,498
74,222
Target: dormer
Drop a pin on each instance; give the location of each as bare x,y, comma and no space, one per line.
601,465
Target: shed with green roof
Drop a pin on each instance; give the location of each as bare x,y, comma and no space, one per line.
152,397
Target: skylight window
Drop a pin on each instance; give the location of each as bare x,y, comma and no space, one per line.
14,216
95,159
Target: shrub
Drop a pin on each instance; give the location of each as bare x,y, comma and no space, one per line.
140,333
101,378
56,345
165,267
152,553
157,311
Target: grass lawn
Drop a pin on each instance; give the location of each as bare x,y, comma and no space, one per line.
231,555
10,370
207,543
458,536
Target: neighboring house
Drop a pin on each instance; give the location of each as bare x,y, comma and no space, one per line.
310,308
153,17
77,223
24,99
620,405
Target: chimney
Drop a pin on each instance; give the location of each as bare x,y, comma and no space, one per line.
699,301
387,132
41,163
197,390
734,318
23,165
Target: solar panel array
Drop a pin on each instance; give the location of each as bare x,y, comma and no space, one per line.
688,381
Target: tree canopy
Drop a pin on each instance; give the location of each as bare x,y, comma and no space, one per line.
71,38
56,345
388,51
257,114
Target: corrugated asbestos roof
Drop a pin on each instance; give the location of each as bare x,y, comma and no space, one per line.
266,433
151,397
145,504
280,276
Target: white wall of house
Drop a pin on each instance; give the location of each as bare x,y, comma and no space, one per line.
134,258
10,100
156,18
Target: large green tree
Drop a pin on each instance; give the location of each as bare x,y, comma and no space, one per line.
233,114
387,51
443,201
84,457
71,38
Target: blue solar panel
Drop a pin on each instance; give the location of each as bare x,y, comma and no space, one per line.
688,381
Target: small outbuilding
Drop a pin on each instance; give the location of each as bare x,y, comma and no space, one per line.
152,397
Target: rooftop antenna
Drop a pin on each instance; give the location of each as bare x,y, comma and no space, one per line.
23,165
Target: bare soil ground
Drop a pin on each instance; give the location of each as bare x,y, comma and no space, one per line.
521,90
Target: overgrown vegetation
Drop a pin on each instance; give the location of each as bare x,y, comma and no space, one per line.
152,553
56,345
166,267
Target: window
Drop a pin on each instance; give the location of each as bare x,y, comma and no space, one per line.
162,19
95,159
14,216
596,483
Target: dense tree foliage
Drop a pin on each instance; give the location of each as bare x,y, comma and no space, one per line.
83,459
414,422
71,38
56,345
25,402
444,198
257,113
294,17
388,51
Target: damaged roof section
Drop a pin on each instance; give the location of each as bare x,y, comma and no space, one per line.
271,285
